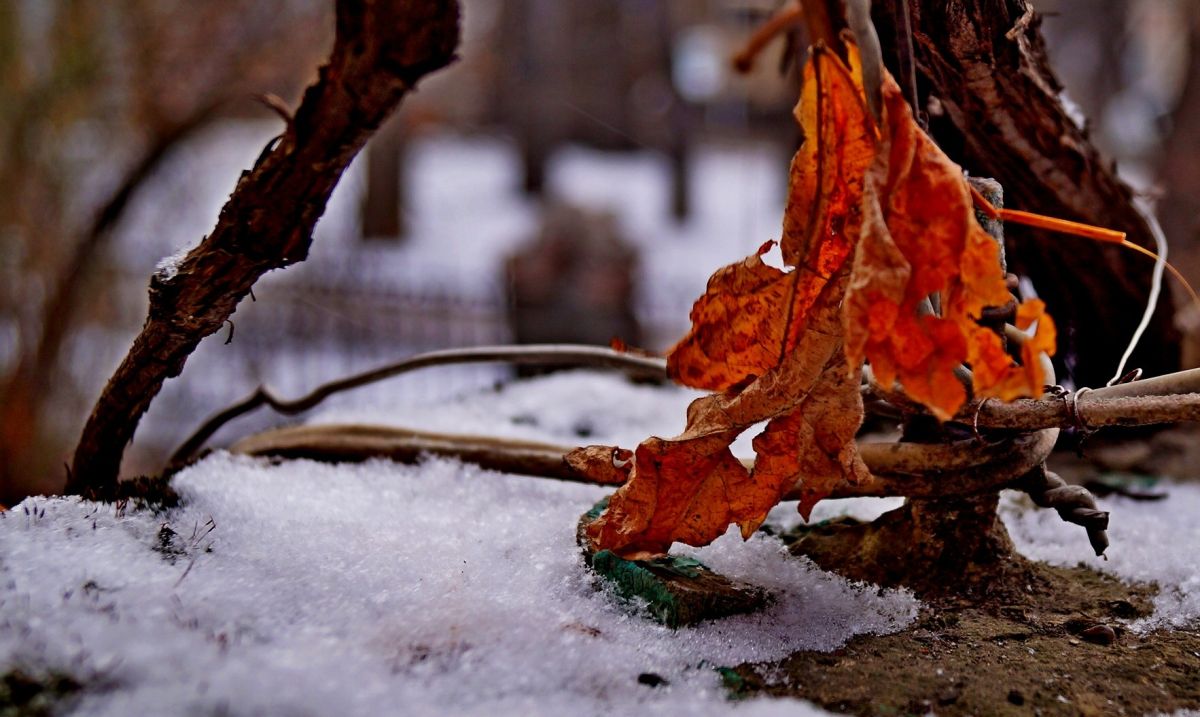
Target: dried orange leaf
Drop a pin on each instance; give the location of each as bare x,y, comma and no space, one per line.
787,346
921,239
737,326
771,340
603,464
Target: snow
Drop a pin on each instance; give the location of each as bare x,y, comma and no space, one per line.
1150,542
563,408
363,589
304,588
168,267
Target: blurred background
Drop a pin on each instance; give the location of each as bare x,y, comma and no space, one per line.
575,177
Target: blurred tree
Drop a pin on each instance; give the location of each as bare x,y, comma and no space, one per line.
596,73
1179,176
1180,173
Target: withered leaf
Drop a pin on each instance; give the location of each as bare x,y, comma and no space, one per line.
787,346
771,341
603,464
921,238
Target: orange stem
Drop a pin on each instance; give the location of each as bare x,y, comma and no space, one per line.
1065,226
1174,272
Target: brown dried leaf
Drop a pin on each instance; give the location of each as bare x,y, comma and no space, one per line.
787,347
921,238
603,464
771,341
737,326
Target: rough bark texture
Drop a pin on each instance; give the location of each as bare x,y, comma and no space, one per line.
949,546
993,106
381,50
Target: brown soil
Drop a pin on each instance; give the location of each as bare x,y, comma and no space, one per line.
1058,647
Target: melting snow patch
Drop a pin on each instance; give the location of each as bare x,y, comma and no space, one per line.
168,267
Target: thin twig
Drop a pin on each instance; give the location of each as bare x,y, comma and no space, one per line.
277,105
823,25
786,18
635,365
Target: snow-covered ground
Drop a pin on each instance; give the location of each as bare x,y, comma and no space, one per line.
300,588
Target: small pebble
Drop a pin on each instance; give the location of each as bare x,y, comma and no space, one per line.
949,696
1099,635
651,679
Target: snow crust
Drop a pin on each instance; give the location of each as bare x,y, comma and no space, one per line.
299,588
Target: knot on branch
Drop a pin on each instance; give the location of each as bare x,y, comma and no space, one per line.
1074,504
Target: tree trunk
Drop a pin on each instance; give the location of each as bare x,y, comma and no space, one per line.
993,106
382,205
381,50
1180,176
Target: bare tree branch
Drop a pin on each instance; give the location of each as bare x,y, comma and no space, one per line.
381,50
1087,411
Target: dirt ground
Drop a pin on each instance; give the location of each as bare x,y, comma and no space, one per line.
1057,646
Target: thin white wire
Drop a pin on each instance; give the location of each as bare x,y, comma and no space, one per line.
1156,280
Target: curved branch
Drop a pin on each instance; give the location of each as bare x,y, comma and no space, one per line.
528,355
1074,503
905,469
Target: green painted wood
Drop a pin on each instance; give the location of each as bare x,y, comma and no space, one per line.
677,591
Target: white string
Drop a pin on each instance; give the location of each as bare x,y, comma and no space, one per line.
1156,279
